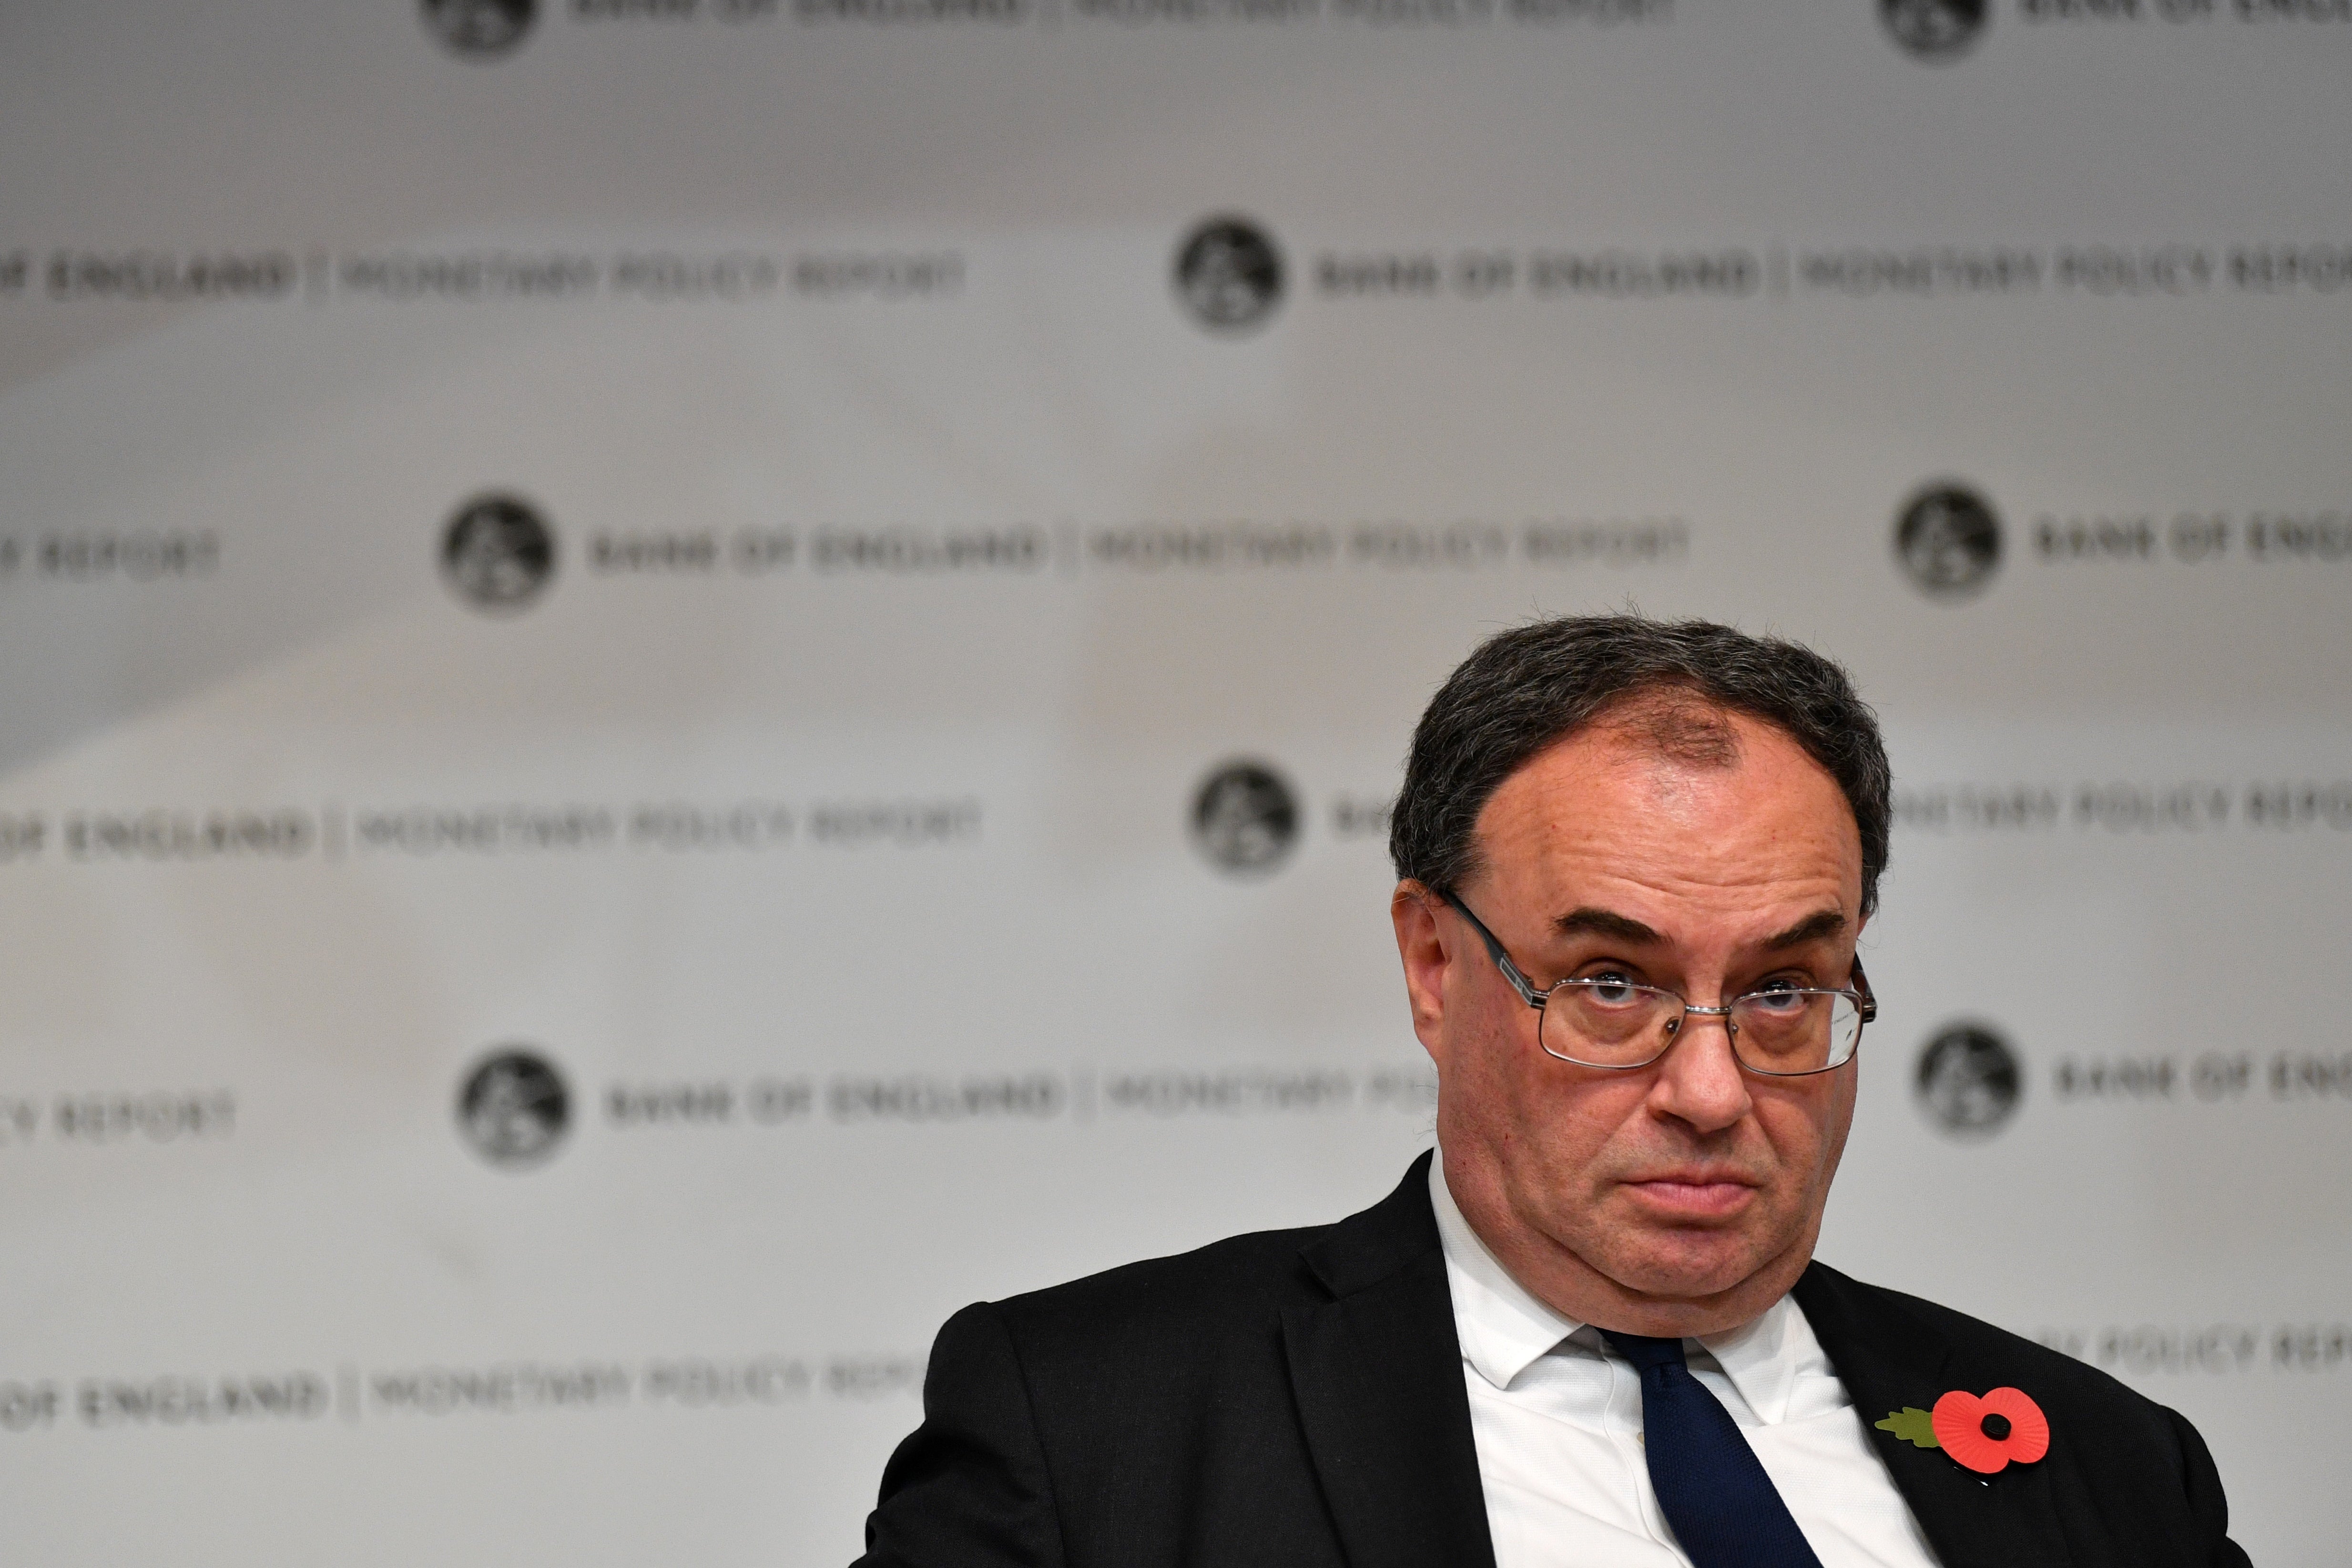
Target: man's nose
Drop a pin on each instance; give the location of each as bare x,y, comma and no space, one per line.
1699,1080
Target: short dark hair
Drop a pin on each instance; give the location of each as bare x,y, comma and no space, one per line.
1527,687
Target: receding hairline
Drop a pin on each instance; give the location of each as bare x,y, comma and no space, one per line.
1669,721
1672,718
1530,686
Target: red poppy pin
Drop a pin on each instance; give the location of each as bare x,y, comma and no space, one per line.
1985,1434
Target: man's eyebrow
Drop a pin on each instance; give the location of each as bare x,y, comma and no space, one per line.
1604,923
1812,928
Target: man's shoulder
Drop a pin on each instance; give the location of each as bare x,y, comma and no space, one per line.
1156,1340
1243,1282
2119,1465
1248,1278
1914,1319
1848,1314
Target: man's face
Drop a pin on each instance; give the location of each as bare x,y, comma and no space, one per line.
1685,1196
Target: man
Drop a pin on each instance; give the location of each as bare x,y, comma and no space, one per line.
1635,861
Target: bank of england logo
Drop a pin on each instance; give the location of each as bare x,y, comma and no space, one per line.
512,1108
1245,818
1948,538
1968,1080
497,554
1935,30
479,29
1229,275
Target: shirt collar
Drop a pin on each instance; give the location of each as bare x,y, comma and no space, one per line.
1503,1328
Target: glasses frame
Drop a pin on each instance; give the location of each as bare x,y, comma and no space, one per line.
1859,993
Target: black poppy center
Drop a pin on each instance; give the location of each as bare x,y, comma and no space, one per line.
1994,1426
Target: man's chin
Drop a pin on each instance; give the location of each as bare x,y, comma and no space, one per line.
1692,1267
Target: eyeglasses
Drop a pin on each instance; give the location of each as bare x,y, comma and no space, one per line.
1608,1022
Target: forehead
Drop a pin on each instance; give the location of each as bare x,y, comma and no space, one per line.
1734,810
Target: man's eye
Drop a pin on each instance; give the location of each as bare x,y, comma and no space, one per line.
1611,987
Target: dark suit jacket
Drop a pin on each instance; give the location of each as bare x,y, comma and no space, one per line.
1295,1398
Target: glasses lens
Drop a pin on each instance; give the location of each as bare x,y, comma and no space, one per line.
1795,1031
1608,1023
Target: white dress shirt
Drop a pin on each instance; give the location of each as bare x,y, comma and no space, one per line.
1558,1420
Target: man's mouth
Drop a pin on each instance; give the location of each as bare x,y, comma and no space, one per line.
1697,1194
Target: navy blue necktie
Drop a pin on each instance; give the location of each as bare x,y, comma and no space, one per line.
1713,1491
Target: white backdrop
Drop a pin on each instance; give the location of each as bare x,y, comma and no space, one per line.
822,821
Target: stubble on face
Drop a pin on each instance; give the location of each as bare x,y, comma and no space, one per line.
1683,1197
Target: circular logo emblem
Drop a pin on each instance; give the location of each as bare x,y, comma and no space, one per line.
1948,538
481,29
1245,818
1935,30
497,554
1229,275
1968,1080
512,1108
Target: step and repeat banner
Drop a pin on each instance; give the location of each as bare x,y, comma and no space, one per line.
688,680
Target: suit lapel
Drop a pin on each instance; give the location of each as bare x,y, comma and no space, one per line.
2007,1520
1377,1372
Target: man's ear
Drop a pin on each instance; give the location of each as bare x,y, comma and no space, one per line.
1426,947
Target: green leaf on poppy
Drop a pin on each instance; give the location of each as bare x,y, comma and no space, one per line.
1912,1425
